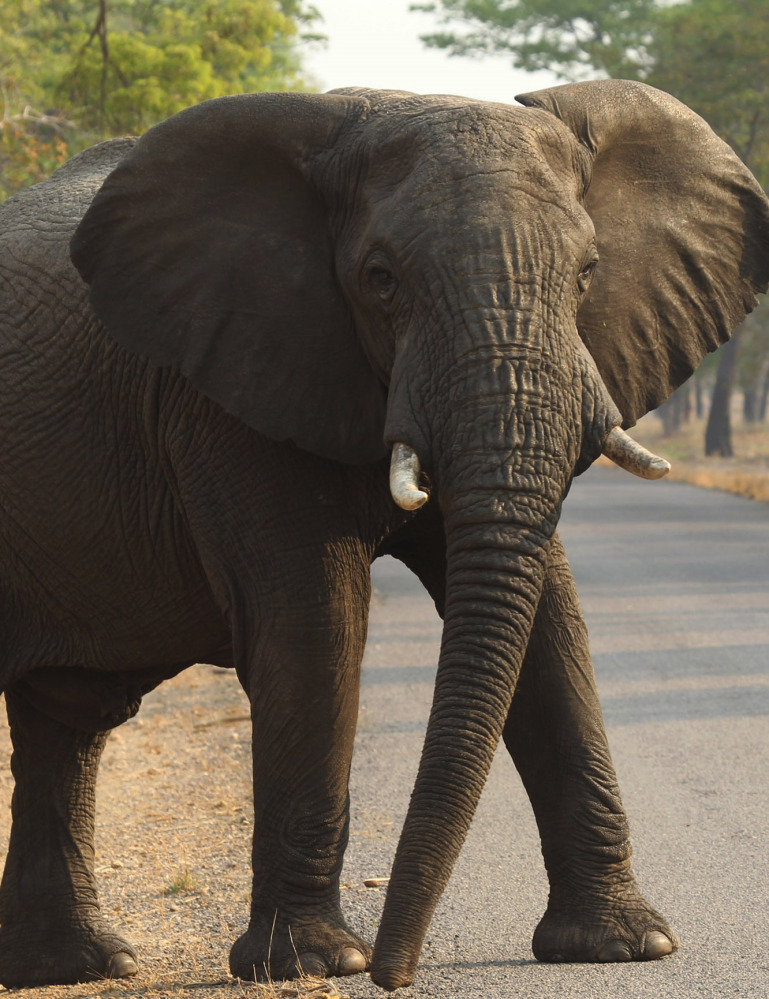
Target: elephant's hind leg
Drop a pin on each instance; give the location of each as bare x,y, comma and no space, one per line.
302,678
556,736
52,931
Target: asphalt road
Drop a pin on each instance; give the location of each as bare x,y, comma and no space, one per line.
674,583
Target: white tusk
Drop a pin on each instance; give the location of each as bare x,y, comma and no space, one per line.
404,478
631,456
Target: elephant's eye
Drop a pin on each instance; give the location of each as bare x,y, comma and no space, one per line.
586,275
382,282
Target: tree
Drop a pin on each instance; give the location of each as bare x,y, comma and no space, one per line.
161,57
711,54
753,366
89,69
676,410
571,40
718,431
32,144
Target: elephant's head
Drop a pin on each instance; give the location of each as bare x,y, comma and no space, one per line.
493,288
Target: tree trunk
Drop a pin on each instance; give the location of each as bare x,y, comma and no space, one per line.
698,400
762,406
750,404
686,401
718,433
675,411
668,413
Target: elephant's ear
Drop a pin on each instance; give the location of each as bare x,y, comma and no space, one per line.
208,249
683,236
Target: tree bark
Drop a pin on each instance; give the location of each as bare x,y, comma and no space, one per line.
718,433
698,400
676,410
762,406
750,404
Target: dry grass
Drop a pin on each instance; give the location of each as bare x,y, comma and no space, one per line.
306,987
743,483
184,881
746,474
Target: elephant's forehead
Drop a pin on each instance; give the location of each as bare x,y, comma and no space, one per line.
457,133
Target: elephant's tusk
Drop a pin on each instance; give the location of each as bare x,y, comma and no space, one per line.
631,456
404,478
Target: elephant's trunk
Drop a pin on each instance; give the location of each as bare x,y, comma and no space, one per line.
493,587
501,455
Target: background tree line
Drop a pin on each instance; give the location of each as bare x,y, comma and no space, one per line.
76,71
711,54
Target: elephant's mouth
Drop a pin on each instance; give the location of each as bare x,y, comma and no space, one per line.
618,446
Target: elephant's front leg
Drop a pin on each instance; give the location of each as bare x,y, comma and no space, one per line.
52,930
302,676
555,735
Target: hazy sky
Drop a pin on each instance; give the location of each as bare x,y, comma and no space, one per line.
375,43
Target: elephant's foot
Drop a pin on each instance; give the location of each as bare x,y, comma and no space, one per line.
290,949
46,952
615,925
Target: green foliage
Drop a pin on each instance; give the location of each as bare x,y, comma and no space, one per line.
163,57
75,71
31,147
571,39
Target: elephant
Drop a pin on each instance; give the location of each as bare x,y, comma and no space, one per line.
277,337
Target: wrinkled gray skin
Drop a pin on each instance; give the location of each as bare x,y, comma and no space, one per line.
285,286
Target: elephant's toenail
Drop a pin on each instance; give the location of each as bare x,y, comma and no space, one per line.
657,945
351,961
312,964
615,950
122,965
